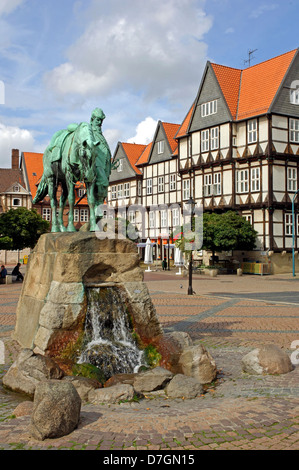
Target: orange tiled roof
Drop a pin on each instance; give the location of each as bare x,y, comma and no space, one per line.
250,92
145,155
133,152
34,168
185,124
170,131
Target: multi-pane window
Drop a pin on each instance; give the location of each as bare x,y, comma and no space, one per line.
113,192
132,217
205,141
149,186
217,184
76,215
47,214
214,138
255,179
248,218
16,189
242,181
288,224
208,185
84,215
160,147
152,219
119,191
81,192
172,185
186,189
161,184
294,130
127,190
292,179
209,108
120,165
139,188
163,218
252,131
175,217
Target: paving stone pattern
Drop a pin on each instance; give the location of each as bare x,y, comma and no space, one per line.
237,412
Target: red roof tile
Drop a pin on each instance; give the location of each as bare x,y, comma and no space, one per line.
250,92
133,152
145,155
170,131
185,124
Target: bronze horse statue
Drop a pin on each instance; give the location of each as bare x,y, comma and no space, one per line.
78,153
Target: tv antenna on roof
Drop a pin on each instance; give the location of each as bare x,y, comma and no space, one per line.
250,58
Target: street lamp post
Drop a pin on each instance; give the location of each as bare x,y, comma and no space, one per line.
293,230
190,289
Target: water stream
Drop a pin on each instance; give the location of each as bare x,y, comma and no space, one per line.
109,342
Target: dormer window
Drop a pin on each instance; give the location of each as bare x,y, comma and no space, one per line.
16,189
209,108
160,147
81,192
295,96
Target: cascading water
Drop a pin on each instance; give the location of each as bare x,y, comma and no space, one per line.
108,343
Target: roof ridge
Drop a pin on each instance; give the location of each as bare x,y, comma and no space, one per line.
269,60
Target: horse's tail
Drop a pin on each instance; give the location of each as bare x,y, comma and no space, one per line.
42,190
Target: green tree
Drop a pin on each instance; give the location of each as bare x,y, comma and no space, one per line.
23,227
227,231
221,232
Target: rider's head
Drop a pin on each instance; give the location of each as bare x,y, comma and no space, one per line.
98,115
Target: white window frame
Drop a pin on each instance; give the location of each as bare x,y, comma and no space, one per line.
295,96
292,179
81,192
186,190
205,141
288,223
163,218
161,184
16,189
151,219
132,217
119,191
294,131
84,215
242,181
208,185
214,133
126,190
161,146
248,218
255,177
252,131
47,213
149,186
217,190
113,192
209,108
175,217
19,203
172,184
76,215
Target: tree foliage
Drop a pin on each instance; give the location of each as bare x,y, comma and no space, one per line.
222,232
22,227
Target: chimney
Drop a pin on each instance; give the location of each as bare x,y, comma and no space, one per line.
15,157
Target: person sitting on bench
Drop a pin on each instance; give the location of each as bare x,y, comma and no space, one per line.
16,272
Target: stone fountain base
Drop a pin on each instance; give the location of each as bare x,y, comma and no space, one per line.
52,307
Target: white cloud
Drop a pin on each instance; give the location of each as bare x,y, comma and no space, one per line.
13,138
8,6
144,132
229,31
154,49
263,9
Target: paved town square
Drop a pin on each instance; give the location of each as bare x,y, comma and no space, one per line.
230,315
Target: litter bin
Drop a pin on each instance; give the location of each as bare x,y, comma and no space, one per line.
25,260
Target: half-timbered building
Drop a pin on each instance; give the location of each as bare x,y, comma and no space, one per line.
239,148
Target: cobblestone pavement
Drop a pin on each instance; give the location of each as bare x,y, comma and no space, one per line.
230,316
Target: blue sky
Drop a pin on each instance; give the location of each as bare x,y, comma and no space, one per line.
140,61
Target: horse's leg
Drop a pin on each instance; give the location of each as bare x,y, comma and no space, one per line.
71,197
62,203
90,190
52,190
